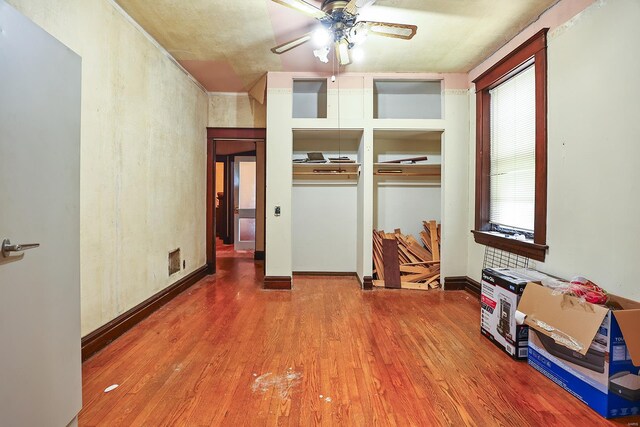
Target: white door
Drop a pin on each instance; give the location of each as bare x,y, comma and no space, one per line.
40,362
245,203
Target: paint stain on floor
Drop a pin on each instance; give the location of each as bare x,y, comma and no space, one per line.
281,384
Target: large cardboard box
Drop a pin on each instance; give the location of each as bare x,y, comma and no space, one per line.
589,350
501,289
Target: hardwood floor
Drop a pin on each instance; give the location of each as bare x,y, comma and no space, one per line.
225,251
226,352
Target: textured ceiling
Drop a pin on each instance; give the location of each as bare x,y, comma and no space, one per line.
226,44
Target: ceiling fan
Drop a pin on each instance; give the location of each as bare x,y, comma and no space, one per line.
339,26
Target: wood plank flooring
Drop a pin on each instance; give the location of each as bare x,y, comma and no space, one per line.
226,352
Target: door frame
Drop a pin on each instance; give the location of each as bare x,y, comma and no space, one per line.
213,134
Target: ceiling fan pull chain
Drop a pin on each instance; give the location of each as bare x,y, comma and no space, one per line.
339,129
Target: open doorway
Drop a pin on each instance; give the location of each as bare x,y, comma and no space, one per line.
235,193
236,198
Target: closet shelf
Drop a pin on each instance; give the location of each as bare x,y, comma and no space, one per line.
326,170
397,170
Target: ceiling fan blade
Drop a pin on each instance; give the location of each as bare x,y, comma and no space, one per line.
342,52
388,29
285,47
304,7
355,5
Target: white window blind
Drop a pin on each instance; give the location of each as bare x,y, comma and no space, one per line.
513,141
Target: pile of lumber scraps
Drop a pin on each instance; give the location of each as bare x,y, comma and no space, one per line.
400,261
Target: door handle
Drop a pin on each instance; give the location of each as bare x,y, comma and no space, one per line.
8,248
236,210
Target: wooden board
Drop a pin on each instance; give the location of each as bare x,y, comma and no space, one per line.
414,286
422,263
404,285
407,255
433,279
413,269
391,264
426,240
378,283
433,231
420,252
418,277
377,254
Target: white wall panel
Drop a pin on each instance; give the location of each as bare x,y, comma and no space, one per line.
324,220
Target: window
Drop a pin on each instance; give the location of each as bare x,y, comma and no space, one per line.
511,152
512,164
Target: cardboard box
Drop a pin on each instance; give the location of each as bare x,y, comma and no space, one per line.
501,289
589,350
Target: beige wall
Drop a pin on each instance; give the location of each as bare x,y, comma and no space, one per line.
236,110
593,134
142,156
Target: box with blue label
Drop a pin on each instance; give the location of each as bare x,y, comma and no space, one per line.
501,289
592,351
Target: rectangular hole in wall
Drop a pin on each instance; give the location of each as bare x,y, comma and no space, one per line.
310,99
174,261
407,99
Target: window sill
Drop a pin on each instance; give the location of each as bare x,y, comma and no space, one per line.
518,247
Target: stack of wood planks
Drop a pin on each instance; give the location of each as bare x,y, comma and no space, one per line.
400,261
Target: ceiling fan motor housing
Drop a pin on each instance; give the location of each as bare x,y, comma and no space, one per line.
337,21
329,6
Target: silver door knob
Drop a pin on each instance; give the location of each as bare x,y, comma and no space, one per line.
8,248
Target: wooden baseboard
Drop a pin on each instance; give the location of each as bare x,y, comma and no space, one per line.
473,287
258,255
324,273
106,334
455,283
367,283
460,283
277,282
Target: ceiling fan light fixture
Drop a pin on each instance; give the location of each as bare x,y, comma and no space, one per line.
322,54
357,54
321,37
343,52
358,35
